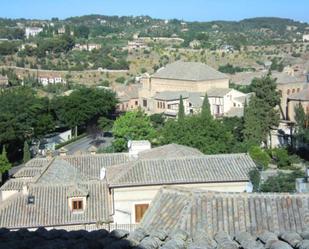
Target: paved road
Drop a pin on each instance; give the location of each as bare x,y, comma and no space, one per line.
83,144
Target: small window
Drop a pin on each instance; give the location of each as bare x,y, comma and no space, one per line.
77,205
30,199
298,90
144,103
136,102
140,210
288,92
293,91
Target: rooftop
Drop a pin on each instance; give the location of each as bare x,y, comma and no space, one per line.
179,208
187,169
191,71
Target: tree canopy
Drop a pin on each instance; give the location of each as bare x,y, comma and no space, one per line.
260,115
209,136
135,125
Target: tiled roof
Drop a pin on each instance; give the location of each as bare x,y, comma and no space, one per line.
169,151
60,172
15,184
91,165
191,169
171,95
218,92
303,95
37,162
28,172
235,112
51,207
191,71
245,78
215,212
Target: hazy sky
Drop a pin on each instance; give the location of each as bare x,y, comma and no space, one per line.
197,10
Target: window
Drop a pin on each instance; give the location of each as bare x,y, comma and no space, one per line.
136,102
77,205
298,90
144,103
288,92
140,210
293,91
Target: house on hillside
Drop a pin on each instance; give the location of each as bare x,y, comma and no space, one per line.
50,78
127,96
32,31
101,190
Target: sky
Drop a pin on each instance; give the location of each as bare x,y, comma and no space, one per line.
188,10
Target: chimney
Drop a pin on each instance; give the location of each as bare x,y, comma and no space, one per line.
63,151
93,150
25,190
102,174
136,147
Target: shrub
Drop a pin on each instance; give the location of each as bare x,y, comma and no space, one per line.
121,80
281,158
260,156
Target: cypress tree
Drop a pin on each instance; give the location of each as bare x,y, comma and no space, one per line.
26,151
181,109
4,163
206,113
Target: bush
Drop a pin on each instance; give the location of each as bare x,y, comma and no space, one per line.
281,157
255,178
260,156
282,182
121,80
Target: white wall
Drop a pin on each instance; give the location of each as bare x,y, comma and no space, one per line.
125,199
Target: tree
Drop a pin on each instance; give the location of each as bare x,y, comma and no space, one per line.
134,125
4,162
206,113
210,137
261,115
26,152
302,126
259,156
282,182
105,123
181,109
84,106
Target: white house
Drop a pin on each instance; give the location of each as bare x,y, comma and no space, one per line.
32,31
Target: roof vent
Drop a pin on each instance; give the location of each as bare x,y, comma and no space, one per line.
30,200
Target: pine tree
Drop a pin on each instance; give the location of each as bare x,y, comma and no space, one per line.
26,150
181,109
206,113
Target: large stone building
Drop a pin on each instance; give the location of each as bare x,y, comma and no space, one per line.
160,92
90,191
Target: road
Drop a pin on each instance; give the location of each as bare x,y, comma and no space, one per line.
83,144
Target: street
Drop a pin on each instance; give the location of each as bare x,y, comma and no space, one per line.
85,143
